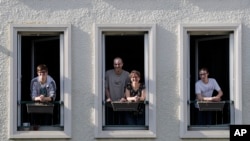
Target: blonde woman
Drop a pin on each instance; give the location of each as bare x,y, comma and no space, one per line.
135,92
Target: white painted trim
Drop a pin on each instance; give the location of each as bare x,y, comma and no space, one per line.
12,111
184,77
99,132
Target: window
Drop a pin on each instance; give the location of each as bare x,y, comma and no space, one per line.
202,46
135,45
31,46
121,44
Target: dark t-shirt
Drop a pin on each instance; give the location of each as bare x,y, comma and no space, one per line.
135,92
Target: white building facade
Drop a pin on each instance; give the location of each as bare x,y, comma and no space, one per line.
167,41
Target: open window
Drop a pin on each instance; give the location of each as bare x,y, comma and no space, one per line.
130,47
44,45
218,49
135,45
211,51
35,50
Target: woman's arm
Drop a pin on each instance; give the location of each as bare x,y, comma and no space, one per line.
128,97
143,95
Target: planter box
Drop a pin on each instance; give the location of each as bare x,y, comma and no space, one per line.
125,106
211,106
40,108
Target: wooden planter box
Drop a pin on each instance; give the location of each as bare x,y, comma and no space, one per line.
40,108
211,106
125,106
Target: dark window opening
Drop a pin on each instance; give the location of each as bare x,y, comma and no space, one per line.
211,52
131,49
37,50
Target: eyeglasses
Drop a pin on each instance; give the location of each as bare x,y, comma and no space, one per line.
202,74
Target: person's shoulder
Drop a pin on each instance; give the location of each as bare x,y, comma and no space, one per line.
126,72
128,86
51,78
198,81
212,79
110,71
35,79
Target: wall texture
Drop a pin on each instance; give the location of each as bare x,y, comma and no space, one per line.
82,14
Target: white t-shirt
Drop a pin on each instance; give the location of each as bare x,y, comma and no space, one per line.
206,90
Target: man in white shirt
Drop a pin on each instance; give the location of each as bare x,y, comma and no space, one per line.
204,89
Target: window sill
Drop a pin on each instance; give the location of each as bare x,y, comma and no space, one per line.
206,134
125,127
126,134
39,134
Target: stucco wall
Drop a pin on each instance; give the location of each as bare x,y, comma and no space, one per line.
82,14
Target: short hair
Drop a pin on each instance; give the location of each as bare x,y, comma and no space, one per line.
135,72
42,67
118,58
204,69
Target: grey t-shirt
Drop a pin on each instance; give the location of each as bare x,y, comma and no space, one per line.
116,83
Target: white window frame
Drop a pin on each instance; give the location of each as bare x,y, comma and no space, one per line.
235,75
65,83
150,77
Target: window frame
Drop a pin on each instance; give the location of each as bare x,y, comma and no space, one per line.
184,65
65,80
150,76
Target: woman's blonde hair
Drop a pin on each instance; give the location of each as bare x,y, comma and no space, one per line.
135,72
